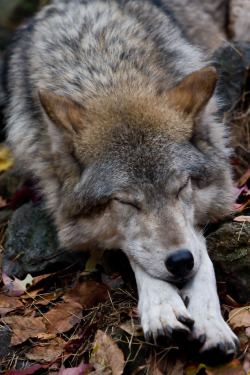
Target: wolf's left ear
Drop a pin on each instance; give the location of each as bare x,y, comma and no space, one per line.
63,112
194,91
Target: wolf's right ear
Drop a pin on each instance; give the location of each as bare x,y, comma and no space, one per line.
62,111
193,93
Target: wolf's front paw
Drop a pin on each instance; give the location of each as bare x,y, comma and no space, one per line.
220,343
164,319
213,338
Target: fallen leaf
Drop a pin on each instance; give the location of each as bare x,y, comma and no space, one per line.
231,368
46,352
239,317
41,278
93,260
132,329
63,317
242,337
156,371
239,207
73,345
3,202
8,304
169,364
87,294
16,287
244,178
246,363
41,299
248,332
140,368
107,354
6,160
242,218
172,369
241,195
82,369
26,371
24,328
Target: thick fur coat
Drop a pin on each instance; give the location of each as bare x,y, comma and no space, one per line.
113,109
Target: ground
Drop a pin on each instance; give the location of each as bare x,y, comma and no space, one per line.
73,317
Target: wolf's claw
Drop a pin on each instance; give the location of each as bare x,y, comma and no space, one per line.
164,337
189,322
161,338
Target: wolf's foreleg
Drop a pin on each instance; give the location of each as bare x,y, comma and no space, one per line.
163,314
219,342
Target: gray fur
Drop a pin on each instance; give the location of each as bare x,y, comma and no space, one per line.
131,169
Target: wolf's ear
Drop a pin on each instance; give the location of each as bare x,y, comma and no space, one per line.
62,111
194,91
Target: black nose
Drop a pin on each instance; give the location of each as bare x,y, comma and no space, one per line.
180,263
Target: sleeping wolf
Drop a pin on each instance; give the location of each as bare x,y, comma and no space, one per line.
114,111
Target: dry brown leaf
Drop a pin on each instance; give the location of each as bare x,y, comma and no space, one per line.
8,304
248,332
244,178
239,317
88,294
156,371
242,218
24,328
46,352
131,329
38,279
231,368
246,363
63,317
40,299
16,287
82,369
107,354
168,364
3,202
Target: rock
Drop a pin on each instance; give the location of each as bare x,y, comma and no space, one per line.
232,60
11,181
229,249
7,8
5,215
32,232
5,337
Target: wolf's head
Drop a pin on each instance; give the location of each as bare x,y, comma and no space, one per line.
140,173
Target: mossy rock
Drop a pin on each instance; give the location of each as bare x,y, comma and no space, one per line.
229,249
32,236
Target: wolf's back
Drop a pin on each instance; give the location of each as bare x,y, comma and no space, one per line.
109,57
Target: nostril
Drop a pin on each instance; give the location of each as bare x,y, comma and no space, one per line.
180,263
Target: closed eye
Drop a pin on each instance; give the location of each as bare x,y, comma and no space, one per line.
127,203
183,186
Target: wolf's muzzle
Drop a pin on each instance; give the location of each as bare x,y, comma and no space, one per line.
180,263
